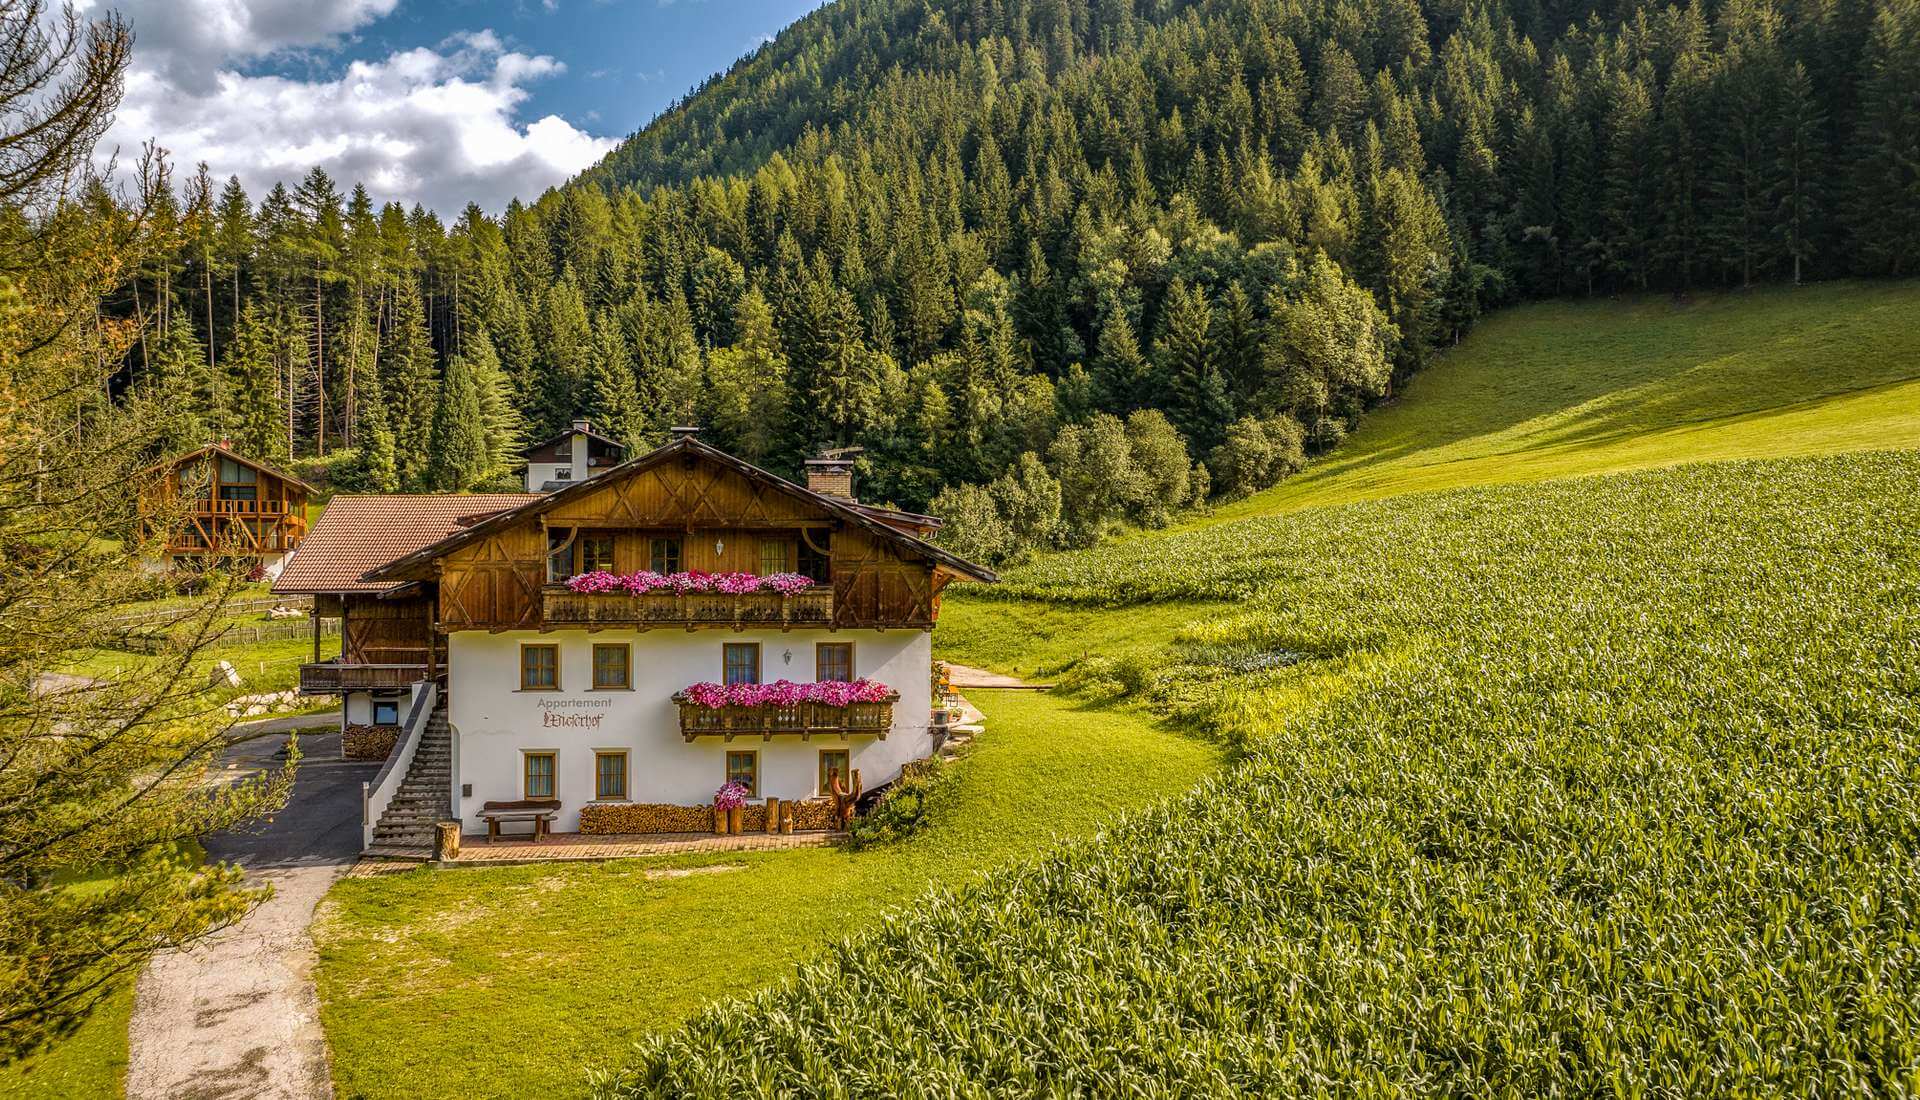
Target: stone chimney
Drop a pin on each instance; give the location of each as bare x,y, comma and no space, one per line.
581,448
831,475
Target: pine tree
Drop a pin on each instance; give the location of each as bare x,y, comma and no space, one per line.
457,457
410,386
1885,180
260,414
502,425
1800,170
379,469
566,354
1200,405
612,400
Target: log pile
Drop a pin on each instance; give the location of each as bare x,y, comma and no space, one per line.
660,817
360,742
645,817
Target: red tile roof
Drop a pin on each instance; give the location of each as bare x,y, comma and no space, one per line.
361,532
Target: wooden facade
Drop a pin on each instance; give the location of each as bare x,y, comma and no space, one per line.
218,504
685,508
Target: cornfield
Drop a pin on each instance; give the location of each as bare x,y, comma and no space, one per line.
1623,799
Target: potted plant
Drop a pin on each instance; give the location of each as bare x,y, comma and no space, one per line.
729,805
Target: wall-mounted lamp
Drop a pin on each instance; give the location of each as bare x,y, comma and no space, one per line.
719,547
787,657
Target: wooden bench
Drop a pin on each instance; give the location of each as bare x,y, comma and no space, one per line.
539,811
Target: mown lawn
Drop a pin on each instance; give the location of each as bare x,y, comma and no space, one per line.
515,981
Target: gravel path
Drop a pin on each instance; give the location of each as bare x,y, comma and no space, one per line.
237,1016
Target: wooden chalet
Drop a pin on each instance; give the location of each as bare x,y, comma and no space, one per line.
217,503
688,507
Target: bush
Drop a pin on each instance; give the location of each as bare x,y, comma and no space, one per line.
1257,454
903,808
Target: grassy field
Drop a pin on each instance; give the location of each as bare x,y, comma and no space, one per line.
1595,784
427,977
1562,389
1601,785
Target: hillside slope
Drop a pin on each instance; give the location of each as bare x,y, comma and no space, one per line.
1583,784
1567,388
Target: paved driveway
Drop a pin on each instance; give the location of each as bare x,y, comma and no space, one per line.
236,1015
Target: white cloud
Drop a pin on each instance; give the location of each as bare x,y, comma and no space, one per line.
438,126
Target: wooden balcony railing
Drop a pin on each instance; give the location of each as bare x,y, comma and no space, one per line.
334,677
205,507
812,607
804,720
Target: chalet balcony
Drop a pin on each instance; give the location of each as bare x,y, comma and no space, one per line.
336,677
803,720
812,607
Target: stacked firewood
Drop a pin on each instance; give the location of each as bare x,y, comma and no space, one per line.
645,817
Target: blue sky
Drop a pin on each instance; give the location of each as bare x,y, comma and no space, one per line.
626,60
431,102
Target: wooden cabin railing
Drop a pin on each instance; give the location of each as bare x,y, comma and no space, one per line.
334,677
811,607
804,720
205,507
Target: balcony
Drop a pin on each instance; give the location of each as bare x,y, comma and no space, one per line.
335,677
811,607
803,720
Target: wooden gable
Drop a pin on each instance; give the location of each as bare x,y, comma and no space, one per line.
692,492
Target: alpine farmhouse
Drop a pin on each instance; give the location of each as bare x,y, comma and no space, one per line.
591,651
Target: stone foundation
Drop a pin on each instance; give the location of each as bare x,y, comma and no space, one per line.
368,742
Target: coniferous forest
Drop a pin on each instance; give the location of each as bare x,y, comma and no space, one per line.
1054,264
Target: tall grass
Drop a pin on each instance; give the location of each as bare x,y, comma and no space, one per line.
1608,786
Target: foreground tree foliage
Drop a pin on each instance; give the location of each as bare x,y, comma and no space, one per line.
98,778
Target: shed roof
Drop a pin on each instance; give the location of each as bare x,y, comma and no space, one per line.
361,532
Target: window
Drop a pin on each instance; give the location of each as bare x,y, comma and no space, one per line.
539,668
612,665
609,776
744,768
834,763
538,769
563,473
386,712
774,556
559,555
740,663
815,563
596,553
833,661
664,556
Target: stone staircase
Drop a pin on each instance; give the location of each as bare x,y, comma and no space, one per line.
405,830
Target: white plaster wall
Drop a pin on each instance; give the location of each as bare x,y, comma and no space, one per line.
357,706
494,722
539,473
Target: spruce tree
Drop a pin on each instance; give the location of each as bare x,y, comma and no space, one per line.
1885,180
457,457
1200,404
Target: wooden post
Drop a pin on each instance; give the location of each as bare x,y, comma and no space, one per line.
315,616
773,815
